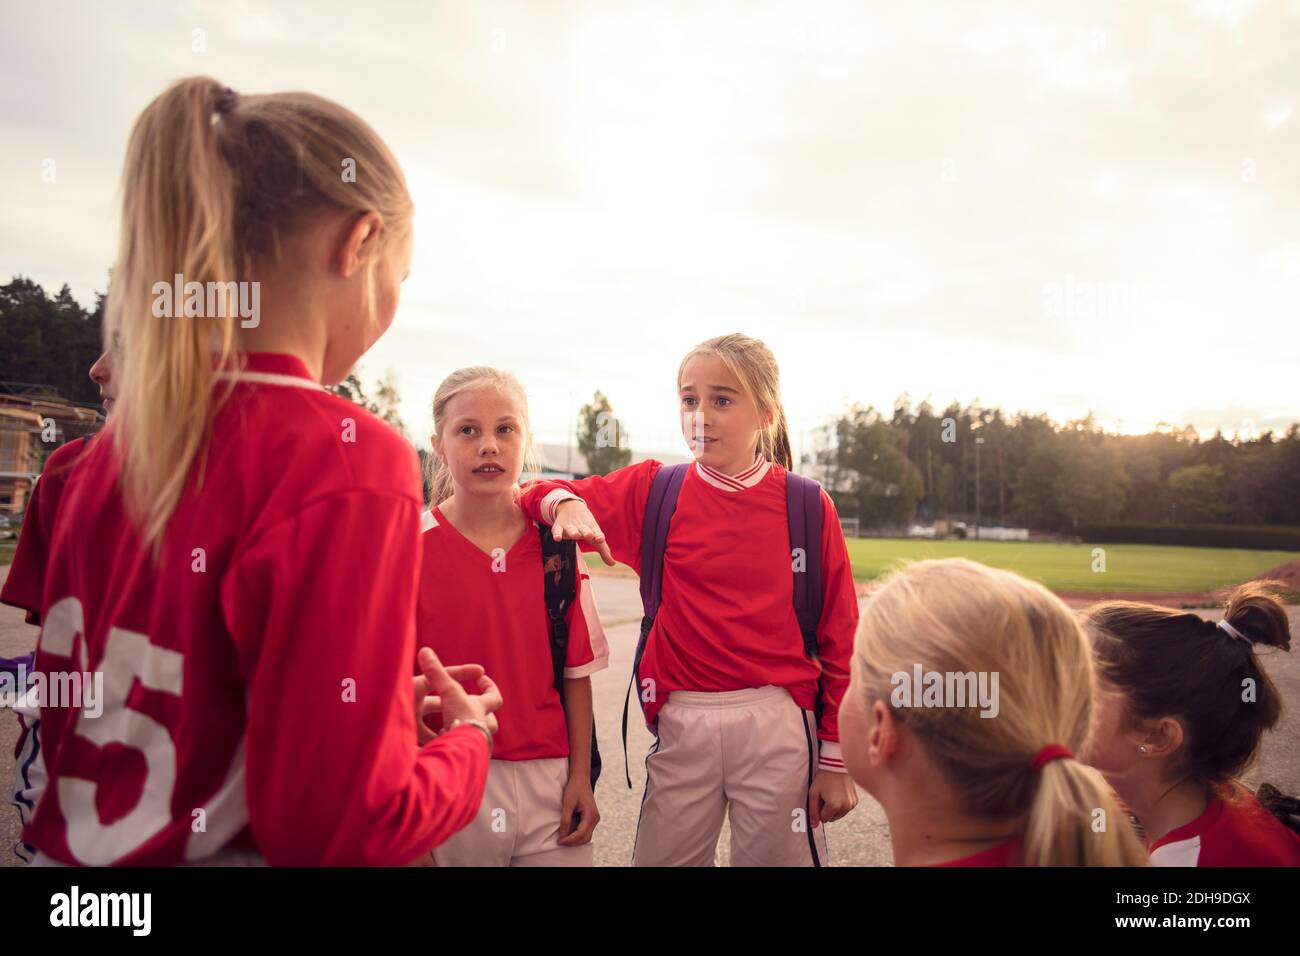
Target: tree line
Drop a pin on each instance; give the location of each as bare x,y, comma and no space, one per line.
919,463
49,341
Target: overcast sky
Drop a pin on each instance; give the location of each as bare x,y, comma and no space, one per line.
1055,207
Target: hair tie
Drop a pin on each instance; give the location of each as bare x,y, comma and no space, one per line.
1048,754
1232,631
226,101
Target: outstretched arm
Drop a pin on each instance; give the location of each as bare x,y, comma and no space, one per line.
608,516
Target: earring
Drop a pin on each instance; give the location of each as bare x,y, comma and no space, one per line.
1142,749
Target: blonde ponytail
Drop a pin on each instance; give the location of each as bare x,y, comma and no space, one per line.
955,616
753,363
177,216
1074,820
213,183
777,435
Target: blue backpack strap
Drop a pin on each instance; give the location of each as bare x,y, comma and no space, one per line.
659,508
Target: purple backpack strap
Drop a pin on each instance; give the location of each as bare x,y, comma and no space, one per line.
803,502
659,508
18,665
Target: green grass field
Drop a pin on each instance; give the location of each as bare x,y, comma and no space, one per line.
1068,567
1061,567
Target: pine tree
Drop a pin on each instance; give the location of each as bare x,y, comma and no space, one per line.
601,437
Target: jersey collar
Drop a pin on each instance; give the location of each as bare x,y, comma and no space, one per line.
1208,818
273,368
276,363
746,479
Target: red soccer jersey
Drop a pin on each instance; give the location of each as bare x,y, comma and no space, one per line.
257,674
726,620
479,608
1234,830
1004,854
25,584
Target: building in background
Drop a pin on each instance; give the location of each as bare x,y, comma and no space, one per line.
34,422
565,461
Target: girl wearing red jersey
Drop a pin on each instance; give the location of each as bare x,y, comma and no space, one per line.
482,599
24,586
971,693
724,680
1184,703
25,583
255,697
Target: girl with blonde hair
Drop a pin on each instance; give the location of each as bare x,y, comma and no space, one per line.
741,666
972,692
484,599
255,626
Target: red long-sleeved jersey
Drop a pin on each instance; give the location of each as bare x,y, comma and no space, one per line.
26,582
726,620
257,676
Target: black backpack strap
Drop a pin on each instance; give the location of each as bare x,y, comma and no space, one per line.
1282,805
803,501
560,577
659,508
559,572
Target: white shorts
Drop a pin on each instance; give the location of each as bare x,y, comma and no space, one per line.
518,823
750,754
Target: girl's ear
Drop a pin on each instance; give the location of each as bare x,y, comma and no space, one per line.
1160,737
358,243
882,734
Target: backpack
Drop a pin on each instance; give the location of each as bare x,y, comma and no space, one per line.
804,516
30,775
560,573
1282,805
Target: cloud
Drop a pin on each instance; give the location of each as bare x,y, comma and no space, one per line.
1056,207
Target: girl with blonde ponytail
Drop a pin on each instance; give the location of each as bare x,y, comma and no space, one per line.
972,694
255,625
738,677
483,598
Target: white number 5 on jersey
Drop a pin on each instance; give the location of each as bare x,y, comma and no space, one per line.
128,655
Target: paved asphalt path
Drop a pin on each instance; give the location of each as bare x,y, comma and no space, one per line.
860,839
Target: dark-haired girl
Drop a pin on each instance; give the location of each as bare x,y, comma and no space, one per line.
1182,705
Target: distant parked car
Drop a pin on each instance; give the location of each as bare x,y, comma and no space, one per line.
920,531
6,528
